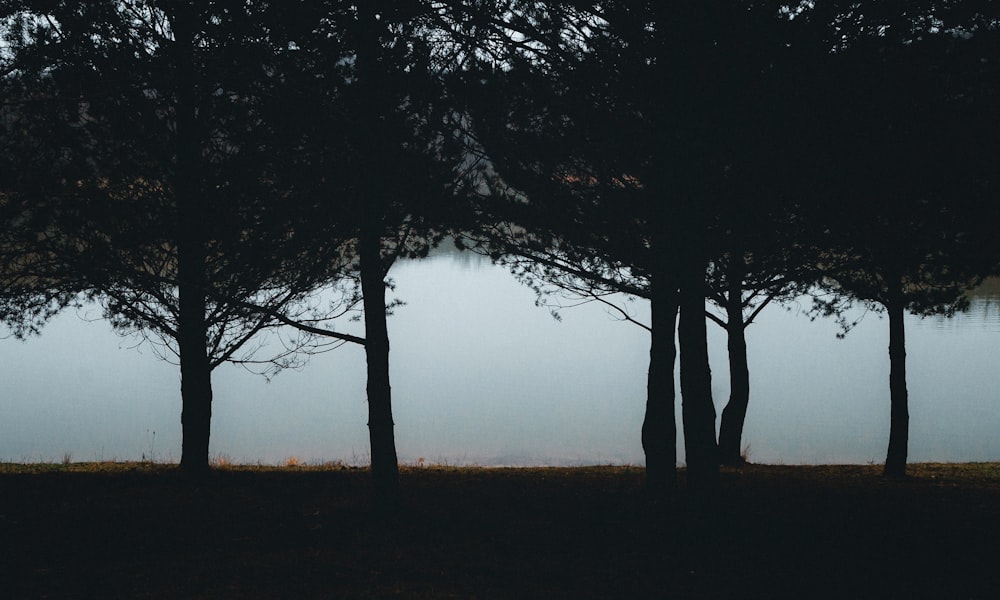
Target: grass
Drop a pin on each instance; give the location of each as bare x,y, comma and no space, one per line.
140,530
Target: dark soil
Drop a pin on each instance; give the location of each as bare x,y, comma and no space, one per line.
137,531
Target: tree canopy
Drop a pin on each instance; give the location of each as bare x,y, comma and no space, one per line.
208,171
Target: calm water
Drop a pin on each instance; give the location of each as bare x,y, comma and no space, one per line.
480,375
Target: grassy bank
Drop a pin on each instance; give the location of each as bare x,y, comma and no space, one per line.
139,530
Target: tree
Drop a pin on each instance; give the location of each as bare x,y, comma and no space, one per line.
168,202
742,283
617,125
359,173
909,127
568,212
377,142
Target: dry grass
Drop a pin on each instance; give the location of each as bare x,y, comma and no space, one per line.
142,530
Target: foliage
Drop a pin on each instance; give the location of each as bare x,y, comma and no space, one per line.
904,136
103,81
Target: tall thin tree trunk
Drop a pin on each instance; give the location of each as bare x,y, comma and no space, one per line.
734,415
899,420
385,466
192,333
659,429
697,408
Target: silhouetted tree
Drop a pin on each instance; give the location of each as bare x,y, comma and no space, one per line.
761,254
295,145
904,137
377,132
167,201
616,124
569,212
742,283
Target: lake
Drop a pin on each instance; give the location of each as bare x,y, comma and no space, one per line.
481,375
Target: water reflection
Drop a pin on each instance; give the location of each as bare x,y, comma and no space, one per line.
481,375
982,313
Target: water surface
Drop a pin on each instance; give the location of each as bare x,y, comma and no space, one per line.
481,375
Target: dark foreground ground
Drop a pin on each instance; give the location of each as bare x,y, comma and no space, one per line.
136,531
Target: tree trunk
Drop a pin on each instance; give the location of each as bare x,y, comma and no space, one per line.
196,372
659,430
192,334
899,420
734,415
385,467
697,408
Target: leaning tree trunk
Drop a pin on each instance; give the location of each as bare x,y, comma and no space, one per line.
697,409
192,333
735,413
659,430
899,420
